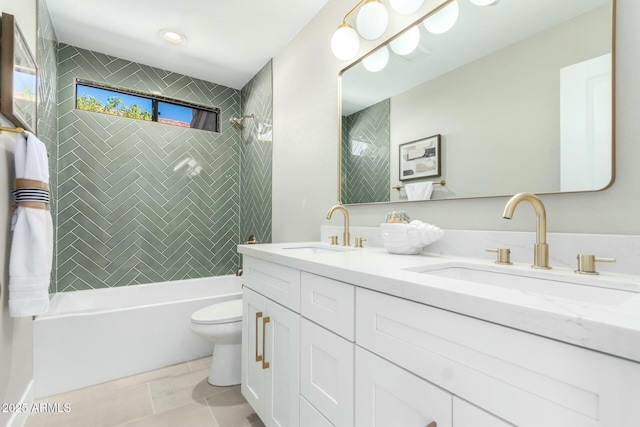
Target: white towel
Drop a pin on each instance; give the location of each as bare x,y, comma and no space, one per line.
32,245
419,190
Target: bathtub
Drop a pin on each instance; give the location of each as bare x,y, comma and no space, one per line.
89,337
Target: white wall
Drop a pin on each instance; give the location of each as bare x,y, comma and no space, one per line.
15,334
305,117
306,147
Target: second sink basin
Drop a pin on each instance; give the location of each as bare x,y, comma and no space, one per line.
318,249
580,288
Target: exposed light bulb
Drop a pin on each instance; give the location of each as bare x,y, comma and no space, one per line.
372,20
407,42
406,7
444,19
377,60
345,42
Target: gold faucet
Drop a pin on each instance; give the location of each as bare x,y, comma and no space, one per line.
346,236
540,249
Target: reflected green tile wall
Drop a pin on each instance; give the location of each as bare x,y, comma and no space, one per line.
132,206
365,175
46,58
257,152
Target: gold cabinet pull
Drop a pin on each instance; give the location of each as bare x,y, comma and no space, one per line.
265,364
258,357
432,424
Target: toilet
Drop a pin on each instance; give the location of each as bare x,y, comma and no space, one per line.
221,324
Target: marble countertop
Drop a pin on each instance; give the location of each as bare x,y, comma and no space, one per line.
610,324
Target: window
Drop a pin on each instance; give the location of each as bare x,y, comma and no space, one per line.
136,105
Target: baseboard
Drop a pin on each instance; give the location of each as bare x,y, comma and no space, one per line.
19,419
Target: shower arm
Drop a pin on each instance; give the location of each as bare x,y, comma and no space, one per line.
237,121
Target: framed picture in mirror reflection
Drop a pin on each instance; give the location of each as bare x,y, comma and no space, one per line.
420,158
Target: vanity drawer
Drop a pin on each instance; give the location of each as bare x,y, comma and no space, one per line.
522,378
310,417
466,415
390,396
326,373
329,303
276,282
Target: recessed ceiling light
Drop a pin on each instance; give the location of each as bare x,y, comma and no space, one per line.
172,36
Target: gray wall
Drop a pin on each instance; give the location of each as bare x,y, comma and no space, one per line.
308,145
128,212
499,117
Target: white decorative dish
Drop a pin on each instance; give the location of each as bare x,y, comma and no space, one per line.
409,239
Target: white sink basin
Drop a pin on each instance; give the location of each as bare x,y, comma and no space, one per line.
591,289
318,249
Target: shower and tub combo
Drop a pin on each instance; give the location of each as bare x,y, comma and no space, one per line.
92,336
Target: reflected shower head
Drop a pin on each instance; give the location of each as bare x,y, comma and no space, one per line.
237,121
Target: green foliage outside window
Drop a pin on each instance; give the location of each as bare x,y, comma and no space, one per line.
113,106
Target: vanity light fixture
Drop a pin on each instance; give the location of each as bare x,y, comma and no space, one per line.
172,36
444,19
345,42
484,2
407,42
372,21
406,7
377,60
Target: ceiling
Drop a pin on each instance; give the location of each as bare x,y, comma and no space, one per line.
228,41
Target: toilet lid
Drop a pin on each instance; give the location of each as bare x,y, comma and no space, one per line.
222,312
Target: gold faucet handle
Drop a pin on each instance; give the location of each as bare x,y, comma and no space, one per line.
503,255
587,263
333,240
359,241
251,240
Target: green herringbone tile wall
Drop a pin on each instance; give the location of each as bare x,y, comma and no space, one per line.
256,164
131,206
365,178
46,59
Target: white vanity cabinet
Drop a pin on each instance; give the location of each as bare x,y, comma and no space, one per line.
390,396
341,355
521,378
327,350
271,342
468,415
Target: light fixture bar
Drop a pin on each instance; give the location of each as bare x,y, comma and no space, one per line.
344,20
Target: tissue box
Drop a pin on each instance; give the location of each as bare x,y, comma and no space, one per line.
409,239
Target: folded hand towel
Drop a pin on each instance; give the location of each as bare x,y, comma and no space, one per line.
419,190
32,244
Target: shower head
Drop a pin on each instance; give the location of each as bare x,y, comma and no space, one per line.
237,121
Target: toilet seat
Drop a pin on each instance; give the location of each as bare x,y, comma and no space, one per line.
223,312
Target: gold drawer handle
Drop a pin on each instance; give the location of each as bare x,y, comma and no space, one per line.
258,357
432,424
265,364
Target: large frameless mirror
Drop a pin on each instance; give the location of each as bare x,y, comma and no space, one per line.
515,96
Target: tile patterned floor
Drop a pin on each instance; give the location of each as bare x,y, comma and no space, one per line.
175,396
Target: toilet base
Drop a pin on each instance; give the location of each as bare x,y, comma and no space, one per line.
225,366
